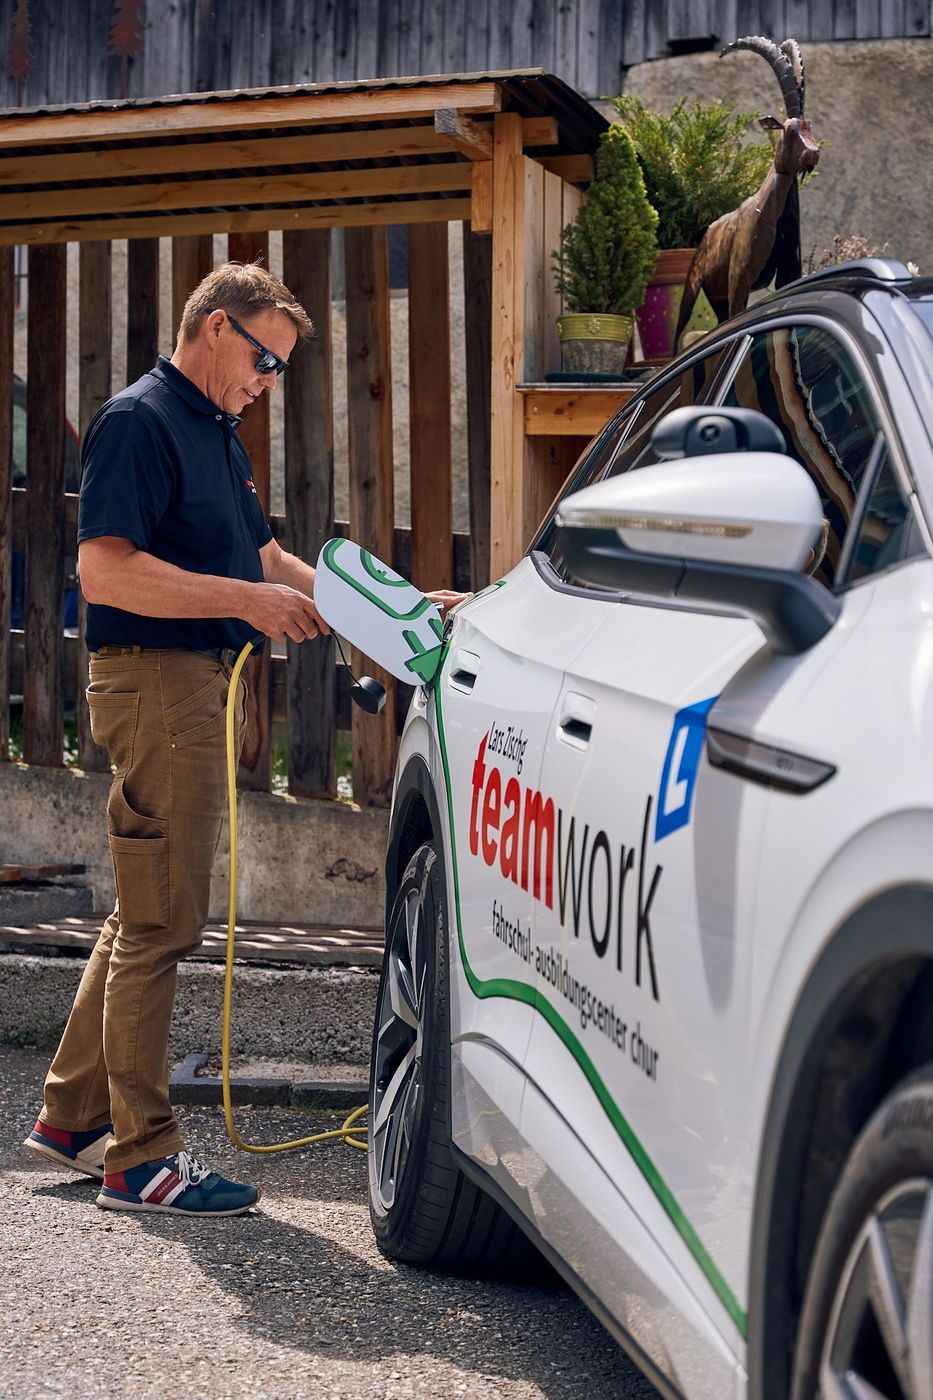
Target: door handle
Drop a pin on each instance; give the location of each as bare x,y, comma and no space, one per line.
463,672
575,725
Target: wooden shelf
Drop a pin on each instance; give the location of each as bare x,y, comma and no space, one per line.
567,410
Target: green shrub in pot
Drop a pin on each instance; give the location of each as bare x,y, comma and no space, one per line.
604,261
697,164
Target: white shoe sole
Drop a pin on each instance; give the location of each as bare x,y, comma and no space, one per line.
111,1203
71,1164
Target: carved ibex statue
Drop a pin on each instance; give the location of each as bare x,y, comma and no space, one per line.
747,247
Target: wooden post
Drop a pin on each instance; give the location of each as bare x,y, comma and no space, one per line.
429,397
309,511
94,355
369,406
7,298
142,297
192,257
45,506
508,276
477,292
255,761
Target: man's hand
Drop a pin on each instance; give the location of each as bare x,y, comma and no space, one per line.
280,611
446,598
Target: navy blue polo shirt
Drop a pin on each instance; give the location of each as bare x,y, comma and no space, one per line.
164,468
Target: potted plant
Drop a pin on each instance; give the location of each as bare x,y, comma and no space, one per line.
697,165
605,258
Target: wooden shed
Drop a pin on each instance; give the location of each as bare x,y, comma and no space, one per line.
505,153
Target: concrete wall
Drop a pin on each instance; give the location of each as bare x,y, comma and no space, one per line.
871,104
300,861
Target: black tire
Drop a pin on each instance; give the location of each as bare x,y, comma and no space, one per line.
868,1310
423,1209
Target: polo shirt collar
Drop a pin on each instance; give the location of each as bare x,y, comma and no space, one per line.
172,376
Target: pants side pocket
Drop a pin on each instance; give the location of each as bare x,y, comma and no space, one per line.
140,867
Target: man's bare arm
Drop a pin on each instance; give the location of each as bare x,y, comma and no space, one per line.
116,574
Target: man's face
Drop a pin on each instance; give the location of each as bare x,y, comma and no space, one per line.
233,380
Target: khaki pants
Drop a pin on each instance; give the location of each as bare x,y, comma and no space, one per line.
161,717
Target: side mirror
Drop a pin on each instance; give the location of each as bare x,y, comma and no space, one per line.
724,533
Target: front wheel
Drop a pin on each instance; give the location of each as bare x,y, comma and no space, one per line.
866,1330
423,1209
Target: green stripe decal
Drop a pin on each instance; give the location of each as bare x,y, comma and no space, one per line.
521,991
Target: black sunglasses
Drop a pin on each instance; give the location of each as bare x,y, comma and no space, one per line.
268,360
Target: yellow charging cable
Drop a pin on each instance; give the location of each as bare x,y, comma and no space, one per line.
352,1132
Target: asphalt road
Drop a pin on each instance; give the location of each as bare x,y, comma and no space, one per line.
292,1300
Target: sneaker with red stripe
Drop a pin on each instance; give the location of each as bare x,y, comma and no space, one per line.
79,1152
176,1185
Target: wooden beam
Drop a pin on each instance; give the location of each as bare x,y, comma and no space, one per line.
369,411
255,766
429,399
224,192
192,258
142,306
481,201
463,134
563,412
309,495
7,308
477,291
240,220
94,360
247,114
178,158
575,169
506,438
547,462
45,507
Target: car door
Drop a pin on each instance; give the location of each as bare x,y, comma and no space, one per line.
639,1064
495,701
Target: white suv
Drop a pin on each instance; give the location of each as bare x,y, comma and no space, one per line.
658,990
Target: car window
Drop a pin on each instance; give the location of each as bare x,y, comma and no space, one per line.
626,443
887,533
805,381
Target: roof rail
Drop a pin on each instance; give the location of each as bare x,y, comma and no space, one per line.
871,269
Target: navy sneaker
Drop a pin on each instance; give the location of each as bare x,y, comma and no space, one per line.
79,1152
176,1185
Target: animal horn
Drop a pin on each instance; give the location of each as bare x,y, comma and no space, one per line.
779,62
791,49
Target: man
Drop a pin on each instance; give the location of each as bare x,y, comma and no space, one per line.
179,570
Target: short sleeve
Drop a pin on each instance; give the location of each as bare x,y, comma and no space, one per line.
127,482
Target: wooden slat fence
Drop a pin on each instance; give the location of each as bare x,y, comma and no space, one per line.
217,45
306,691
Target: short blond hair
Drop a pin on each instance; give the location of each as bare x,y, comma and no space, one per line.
242,289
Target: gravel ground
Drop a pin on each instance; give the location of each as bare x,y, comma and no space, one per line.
291,1301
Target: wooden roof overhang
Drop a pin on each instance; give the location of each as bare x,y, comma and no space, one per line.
386,152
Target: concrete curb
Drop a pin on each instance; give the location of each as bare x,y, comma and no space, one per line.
318,1014
186,1086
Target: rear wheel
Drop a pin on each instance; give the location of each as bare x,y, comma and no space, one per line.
423,1209
867,1324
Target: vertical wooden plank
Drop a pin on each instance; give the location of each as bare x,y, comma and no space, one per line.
537,276
565,56
45,506
548,463
552,226
608,58
844,19
655,23
477,296
94,355
309,511
724,21
507,428
588,55
366,40
369,405
476,37
543,25
432,37
747,17
142,300
346,29
916,19
455,25
499,43
7,301
191,262
314,45
892,19
867,19
797,20
255,761
633,31
429,398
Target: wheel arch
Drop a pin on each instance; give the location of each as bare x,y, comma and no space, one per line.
864,1019
415,819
